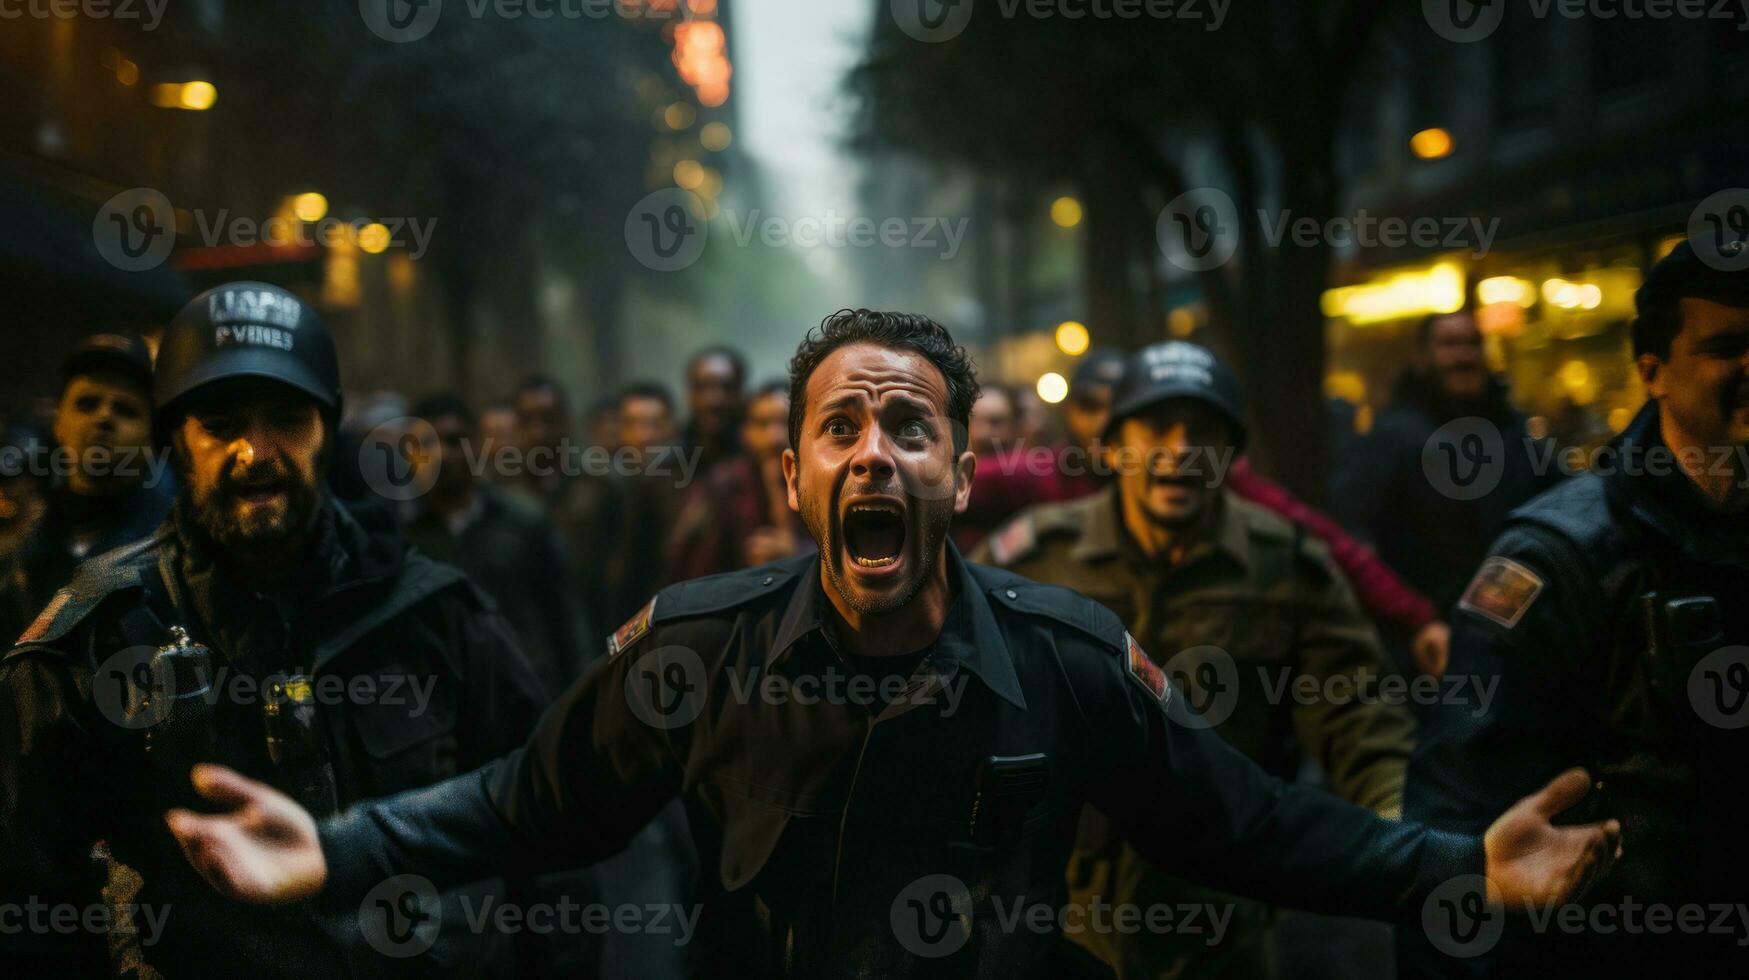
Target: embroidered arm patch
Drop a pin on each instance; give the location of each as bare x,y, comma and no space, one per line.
1502,591
635,627
1144,670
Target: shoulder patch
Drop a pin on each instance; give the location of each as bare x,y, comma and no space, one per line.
635,627
39,627
1502,591
1144,671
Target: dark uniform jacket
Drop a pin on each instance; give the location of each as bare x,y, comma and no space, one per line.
922,837
1254,611
1612,614
433,685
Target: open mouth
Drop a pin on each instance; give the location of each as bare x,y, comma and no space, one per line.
874,534
259,495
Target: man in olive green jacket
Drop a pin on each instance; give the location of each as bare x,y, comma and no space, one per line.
1251,618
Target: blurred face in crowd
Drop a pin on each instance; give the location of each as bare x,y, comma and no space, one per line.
105,420
250,453
713,395
1454,352
765,431
449,455
1165,460
644,423
875,475
1087,411
540,418
1702,387
993,422
497,428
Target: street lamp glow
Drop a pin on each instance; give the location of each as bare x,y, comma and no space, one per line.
373,239
1072,338
689,174
1066,212
310,206
1052,388
715,136
1432,144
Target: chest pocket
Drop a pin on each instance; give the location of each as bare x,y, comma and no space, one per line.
406,732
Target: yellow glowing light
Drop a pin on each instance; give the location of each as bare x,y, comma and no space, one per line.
1347,385
1506,289
1431,144
1072,338
1066,212
1052,388
1566,295
1619,418
715,136
374,239
1590,296
1574,375
127,72
1439,289
194,96
679,115
310,206
689,174
1181,323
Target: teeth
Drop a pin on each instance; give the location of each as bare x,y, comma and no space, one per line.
875,562
874,508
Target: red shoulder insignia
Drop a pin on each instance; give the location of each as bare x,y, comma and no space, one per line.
635,627
1014,540
1501,591
40,625
1143,668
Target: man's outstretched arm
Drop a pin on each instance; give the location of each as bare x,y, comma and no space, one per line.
590,777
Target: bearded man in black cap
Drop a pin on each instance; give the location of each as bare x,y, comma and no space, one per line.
260,625
107,487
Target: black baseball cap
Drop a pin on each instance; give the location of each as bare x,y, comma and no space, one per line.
1101,366
122,353
1178,369
247,329
1717,273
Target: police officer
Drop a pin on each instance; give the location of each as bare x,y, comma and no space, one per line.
108,488
883,748
260,626
1243,609
1612,613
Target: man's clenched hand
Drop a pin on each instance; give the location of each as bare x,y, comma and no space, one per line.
264,849
1532,862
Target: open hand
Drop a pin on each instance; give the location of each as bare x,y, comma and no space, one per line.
1431,647
1532,862
263,850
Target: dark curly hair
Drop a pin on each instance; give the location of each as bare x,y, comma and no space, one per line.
902,331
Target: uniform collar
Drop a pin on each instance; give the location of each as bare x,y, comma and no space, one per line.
970,636
1103,535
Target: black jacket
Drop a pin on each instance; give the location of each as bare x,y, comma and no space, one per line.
1611,620
416,676
1426,523
921,835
